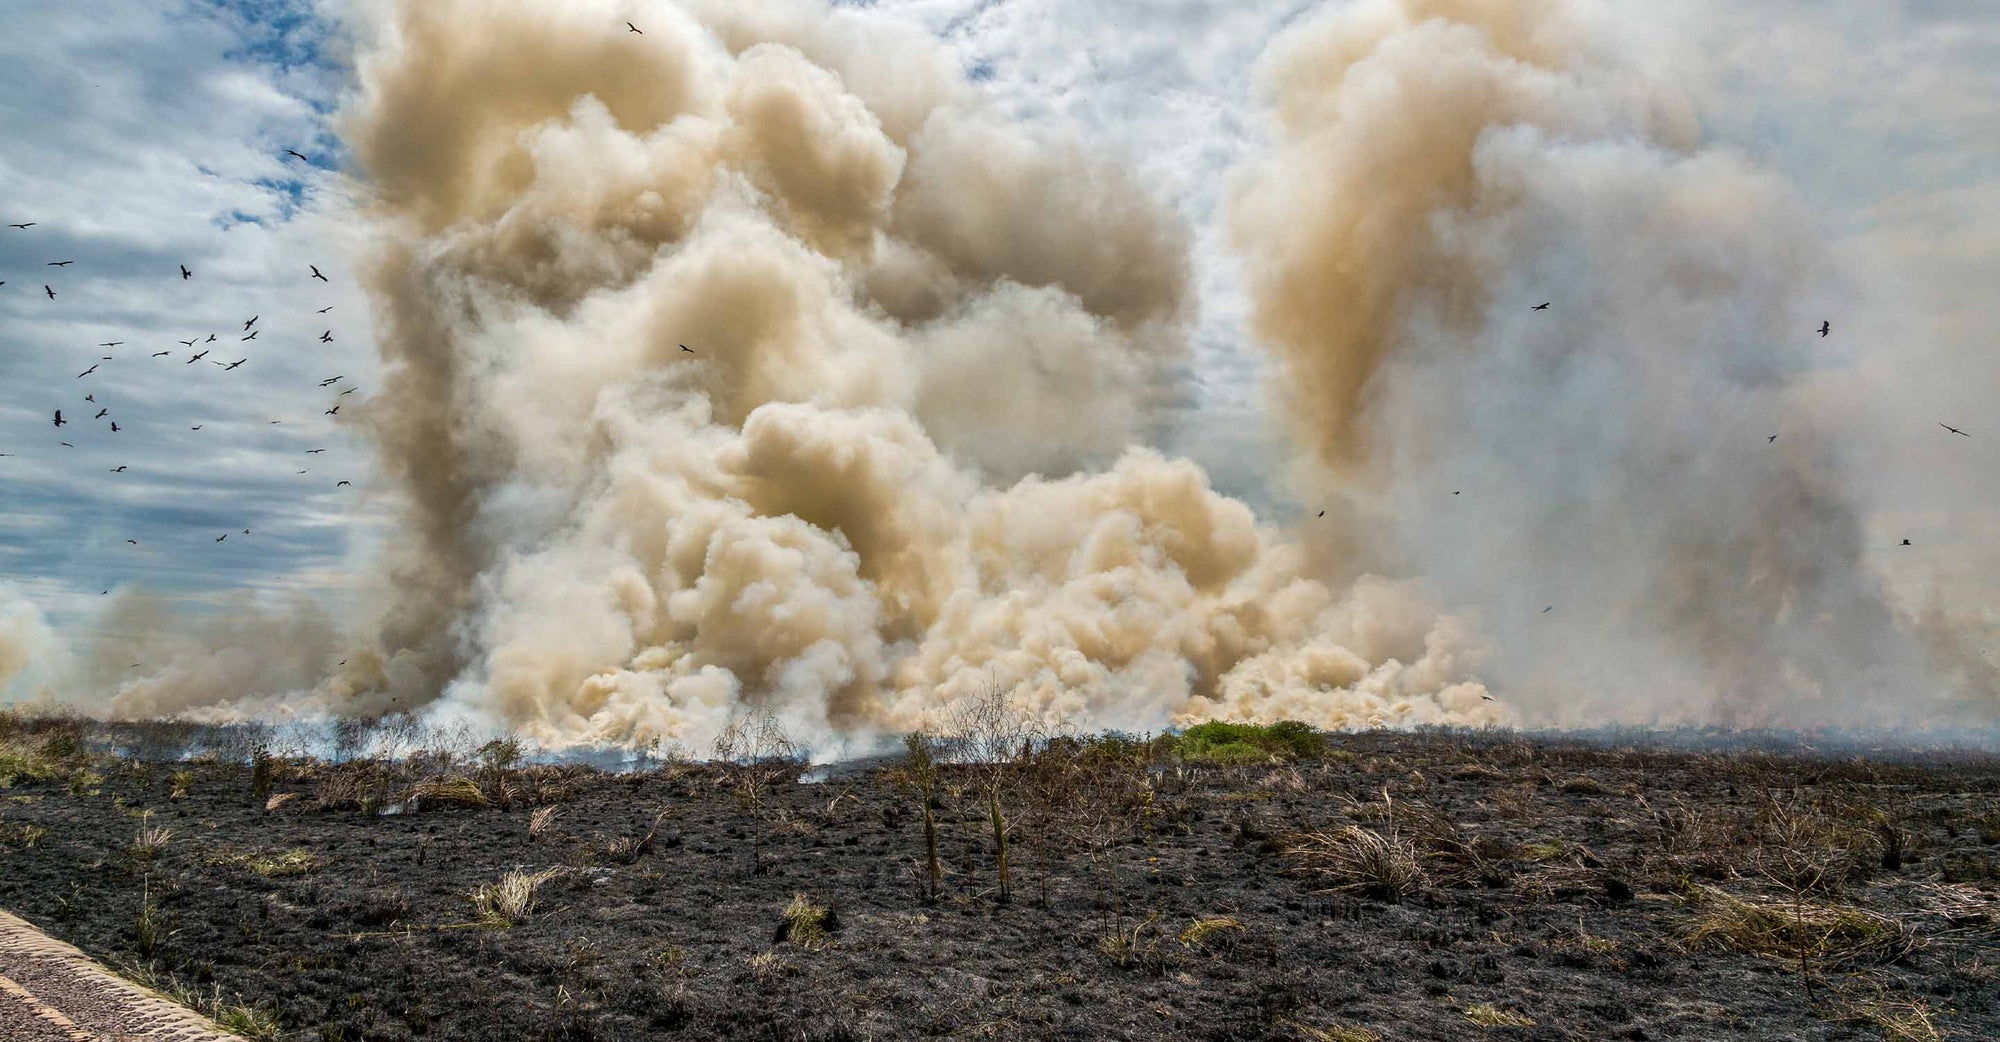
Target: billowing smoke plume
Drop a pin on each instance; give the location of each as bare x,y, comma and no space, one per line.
751,361
25,641
1445,165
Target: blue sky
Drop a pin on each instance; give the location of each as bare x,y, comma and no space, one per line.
146,136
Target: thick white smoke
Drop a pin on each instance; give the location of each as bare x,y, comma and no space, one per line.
1445,165
897,462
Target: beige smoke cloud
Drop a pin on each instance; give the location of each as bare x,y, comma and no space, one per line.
899,462
1442,166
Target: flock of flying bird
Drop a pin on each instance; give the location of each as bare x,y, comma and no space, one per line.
249,332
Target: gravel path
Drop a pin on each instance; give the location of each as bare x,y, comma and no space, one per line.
50,992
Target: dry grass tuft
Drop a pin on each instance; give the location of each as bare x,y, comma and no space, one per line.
149,840
1352,859
455,791
511,901
1487,1015
280,800
1338,1032
538,822
805,923
1199,931
1797,929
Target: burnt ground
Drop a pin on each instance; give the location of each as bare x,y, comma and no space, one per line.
1460,885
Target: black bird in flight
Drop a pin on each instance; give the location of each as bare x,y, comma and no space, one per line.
221,537
252,322
326,337
65,445
134,542
316,273
325,309
335,411
253,334
30,224
634,28
297,156
331,380
345,393
59,420
158,354
114,343
1322,513
232,365
196,427
304,472
314,452
61,264
211,339
187,343
91,398
100,414
185,273
1773,438
197,358
1543,306
1457,491
119,469
1548,609
50,292
86,372
342,484
688,349
115,428
1906,542
1825,328
1954,430
246,531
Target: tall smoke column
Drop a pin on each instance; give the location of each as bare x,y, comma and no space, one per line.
899,460
1444,165
27,644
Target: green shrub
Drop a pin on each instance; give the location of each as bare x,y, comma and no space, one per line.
1219,741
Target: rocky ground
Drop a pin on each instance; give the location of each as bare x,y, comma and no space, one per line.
1391,886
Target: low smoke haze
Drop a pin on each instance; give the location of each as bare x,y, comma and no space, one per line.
1149,364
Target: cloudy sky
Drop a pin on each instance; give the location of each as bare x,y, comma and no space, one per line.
148,135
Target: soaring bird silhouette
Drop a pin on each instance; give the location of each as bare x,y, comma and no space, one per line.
196,427
297,156
210,340
314,452
331,380
253,334
1548,609
187,343
65,445
119,469
1825,328
61,264
185,273
325,309
688,349
335,411
91,398
342,484
1954,430
345,393
316,273
100,414
221,537
30,224
86,372
1905,542
59,420
1543,306
232,365
252,322
197,358
634,28
1771,440
115,428
50,292
160,354
134,542
326,337
114,343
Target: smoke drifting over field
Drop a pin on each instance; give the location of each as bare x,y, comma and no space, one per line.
1446,164
905,458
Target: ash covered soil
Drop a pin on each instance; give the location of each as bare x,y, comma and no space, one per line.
1391,886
